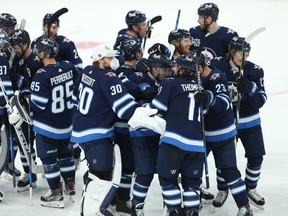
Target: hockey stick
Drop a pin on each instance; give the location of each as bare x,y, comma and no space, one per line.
22,24
208,37
150,24
172,47
54,17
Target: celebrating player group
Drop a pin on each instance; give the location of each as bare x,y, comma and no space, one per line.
132,117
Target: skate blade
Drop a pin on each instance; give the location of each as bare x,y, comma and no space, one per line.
53,204
22,189
255,205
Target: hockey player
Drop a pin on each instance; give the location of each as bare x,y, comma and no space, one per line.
131,51
136,28
51,103
67,48
220,132
181,145
5,81
218,41
24,67
101,98
8,23
145,142
181,40
250,85
67,51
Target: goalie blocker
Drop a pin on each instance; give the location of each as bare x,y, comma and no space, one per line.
98,193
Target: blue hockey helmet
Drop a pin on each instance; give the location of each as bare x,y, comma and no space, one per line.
47,18
189,62
7,20
159,60
239,43
209,9
134,17
19,37
178,34
48,45
143,65
4,43
129,47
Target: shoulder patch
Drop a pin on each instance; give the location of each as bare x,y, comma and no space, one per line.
111,74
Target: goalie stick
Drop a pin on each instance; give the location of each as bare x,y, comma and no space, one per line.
150,24
54,17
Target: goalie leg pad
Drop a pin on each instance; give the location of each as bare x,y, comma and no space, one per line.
96,196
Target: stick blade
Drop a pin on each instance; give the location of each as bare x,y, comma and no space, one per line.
155,19
254,34
57,14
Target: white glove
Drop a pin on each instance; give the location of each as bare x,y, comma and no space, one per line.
144,117
14,117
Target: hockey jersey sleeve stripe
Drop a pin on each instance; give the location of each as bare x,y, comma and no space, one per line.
120,101
39,101
159,105
121,111
91,131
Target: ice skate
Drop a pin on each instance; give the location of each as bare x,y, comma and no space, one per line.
24,184
206,196
123,208
245,211
138,210
8,172
53,198
255,199
220,198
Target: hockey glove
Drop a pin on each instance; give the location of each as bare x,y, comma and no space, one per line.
246,86
204,98
148,91
159,48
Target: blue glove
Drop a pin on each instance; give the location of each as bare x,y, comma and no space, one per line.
148,91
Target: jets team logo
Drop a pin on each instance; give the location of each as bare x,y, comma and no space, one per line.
111,74
215,76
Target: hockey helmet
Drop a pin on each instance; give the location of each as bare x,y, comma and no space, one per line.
48,45
19,37
178,34
209,9
7,20
239,43
143,65
159,60
189,62
47,18
134,17
129,47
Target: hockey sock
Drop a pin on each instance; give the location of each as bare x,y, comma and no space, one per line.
140,188
67,167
